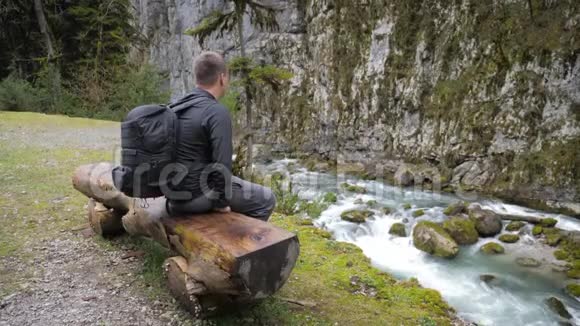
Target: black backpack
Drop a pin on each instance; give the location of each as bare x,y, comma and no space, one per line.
148,147
149,139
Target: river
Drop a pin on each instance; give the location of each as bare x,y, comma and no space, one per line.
515,297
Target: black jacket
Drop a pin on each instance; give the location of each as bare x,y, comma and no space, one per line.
205,144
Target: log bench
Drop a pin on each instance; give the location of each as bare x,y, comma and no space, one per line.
223,259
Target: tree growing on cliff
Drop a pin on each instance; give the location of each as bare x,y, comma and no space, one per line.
251,75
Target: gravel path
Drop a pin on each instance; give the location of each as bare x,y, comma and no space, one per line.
71,279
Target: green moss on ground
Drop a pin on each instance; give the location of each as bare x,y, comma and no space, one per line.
39,204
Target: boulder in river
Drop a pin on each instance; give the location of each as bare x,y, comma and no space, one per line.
455,209
528,262
398,229
386,210
487,223
418,213
553,239
492,248
462,230
353,188
489,279
431,238
515,226
509,238
573,289
558,307
356,215
548,222
537,230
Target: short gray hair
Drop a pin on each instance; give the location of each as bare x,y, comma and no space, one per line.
207,68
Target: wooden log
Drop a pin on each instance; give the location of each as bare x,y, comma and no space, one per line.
529,219
104,221
227,259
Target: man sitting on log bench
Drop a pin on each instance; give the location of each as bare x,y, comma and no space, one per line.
205,147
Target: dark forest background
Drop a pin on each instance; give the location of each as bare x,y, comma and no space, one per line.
74,57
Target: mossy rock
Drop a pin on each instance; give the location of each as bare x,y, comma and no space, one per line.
398,229
330,197
353,188
492,248
553,239
537,230
548,222
386,210
509,238
372,203
433,239
358,201
455,209
306,222
558,307
356,215
528,262
515,226
561,254
407,206
573,289
462,230
487,223
574,273
418,213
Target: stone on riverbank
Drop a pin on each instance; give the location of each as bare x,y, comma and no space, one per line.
462,230
356,215
433,239
492,248
558,307
398,229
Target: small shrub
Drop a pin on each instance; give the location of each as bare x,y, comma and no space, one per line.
18,95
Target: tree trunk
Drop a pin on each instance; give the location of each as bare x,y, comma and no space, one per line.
248,99
44,28
226,259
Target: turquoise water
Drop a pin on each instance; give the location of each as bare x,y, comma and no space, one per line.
517,295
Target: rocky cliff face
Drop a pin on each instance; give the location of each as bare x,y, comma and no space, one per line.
486,92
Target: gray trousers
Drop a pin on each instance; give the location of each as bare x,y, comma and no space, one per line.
247,198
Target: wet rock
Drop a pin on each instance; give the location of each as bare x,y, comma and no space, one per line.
487,223
386,210
372,203
398,229
537,230
462,230
418,213
558,307
573,290
356,215
514,226
353,188
404,178
509,238
455,209
528,262
492,248
574,273
553,239
548,222
407,206
433,239
489,279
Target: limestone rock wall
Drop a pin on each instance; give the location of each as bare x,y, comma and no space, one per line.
487,92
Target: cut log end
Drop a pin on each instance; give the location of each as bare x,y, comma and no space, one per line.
104,221
182,287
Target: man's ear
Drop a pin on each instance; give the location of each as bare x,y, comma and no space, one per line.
222,83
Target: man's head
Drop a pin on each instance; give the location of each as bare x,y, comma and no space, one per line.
211,73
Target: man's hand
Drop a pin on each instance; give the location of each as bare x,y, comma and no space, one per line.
226,209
